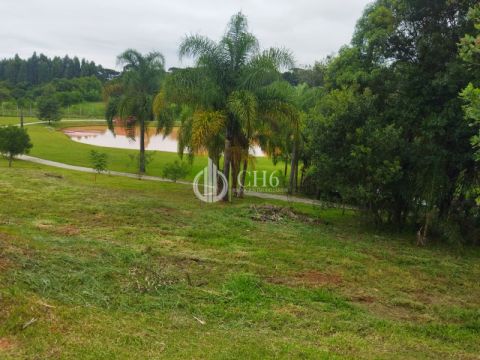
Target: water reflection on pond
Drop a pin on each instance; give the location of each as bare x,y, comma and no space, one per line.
128,138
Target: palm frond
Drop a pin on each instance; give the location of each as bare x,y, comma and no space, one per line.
281,58
238,43
156,60
164,113
196,46
129,58
205,126
243,104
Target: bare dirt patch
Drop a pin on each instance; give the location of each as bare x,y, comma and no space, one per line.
6,344
7,250
4,236
311,278
4,263
43,224
363,299
56,176
315,277
290,309
166,271
67,230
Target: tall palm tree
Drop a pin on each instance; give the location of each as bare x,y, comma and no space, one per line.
227,78
286,126
244,105
131,97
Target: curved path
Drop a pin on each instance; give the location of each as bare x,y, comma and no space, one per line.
279,197
269,196
46,122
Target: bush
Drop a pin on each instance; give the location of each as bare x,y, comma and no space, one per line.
176,170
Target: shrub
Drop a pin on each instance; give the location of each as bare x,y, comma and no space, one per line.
176,170
14,141
99,162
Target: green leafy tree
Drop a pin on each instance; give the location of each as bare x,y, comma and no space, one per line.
5,93
14,141
470,53
471,95
48,109
470,43
132,99
22,99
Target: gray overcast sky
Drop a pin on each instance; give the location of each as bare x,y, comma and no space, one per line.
100,29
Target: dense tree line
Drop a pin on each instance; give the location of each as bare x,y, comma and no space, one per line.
65,91
388,131
60,81
40,69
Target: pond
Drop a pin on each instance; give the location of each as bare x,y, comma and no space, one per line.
128,138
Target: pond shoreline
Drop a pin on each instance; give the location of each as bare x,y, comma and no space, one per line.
128,138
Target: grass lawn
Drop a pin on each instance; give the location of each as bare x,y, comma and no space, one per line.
85,110
50,143
92,109
13,120
130,269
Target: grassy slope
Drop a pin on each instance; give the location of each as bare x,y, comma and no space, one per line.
54,145
122,269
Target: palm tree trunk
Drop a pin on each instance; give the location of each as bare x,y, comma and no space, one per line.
142,147
296,175
242,180
226,165
293,168
235,170
21,117
302,176
216,161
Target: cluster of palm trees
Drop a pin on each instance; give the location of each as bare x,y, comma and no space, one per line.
232,98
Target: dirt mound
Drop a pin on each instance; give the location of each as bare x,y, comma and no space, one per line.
272,213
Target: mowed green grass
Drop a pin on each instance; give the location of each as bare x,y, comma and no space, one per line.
52,144
125,269
85,110
12,120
